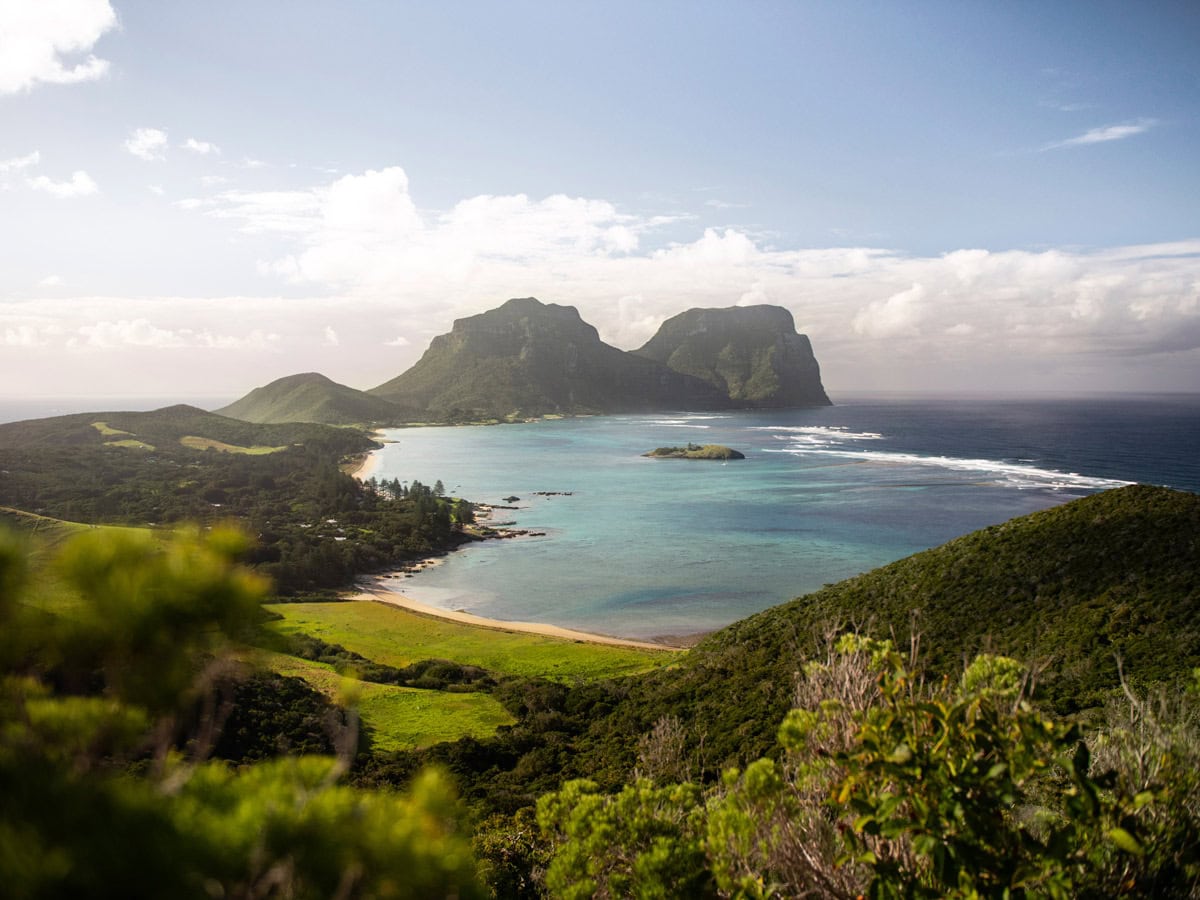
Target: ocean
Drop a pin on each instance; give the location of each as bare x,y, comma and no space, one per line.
646,548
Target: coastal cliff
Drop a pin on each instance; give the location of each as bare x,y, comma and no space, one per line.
752,354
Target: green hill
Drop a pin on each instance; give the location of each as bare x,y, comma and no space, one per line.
1069,590
528,358
752,354
312,397
171,428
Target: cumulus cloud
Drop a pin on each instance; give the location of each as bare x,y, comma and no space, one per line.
1105,134
331,336
126,333
40,41
365,230
149,144
24,336
20,162
80,185
204,148
899,315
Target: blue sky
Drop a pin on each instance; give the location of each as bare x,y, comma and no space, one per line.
202,197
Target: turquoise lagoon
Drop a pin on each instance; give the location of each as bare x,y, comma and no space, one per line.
645,548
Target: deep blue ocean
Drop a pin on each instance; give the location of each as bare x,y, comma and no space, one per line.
645,548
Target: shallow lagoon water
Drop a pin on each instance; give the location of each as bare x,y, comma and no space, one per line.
645,548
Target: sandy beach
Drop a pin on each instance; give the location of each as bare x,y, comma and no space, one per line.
374,591
364,466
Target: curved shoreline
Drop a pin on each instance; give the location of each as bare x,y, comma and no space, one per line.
376,593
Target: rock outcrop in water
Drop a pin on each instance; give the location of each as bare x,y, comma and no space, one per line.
752,354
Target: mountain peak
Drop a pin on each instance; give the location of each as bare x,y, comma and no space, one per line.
751,353
313,397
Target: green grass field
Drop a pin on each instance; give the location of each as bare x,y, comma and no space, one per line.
396,637
107,430
130,443
203,443
400,718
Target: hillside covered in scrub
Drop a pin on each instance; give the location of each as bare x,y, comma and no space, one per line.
799,748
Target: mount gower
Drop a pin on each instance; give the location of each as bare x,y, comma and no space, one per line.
527,358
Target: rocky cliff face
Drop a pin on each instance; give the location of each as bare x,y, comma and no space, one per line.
751,354
528,358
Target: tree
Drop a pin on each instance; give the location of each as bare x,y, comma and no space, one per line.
101,681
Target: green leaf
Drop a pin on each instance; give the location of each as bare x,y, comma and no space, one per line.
1125,841
1145,798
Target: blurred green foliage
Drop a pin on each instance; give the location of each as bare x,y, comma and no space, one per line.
104,774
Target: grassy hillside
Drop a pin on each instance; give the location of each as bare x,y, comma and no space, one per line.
311,397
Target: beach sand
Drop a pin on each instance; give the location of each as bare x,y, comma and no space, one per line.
376,592
363,466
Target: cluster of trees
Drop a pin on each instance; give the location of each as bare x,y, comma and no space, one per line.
316,527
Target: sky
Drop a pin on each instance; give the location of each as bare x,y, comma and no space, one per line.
198,198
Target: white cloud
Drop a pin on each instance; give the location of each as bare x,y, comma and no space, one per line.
156,189
38,38
1105,134
20,162
898,316
877,316
149,144
51,281
135,333
80,185
331,336
398,341
23,336
204,148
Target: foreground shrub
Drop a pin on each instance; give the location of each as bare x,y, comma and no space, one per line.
95,695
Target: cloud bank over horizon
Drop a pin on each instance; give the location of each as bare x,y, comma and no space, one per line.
389,276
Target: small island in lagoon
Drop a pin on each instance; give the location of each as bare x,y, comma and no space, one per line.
696,451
